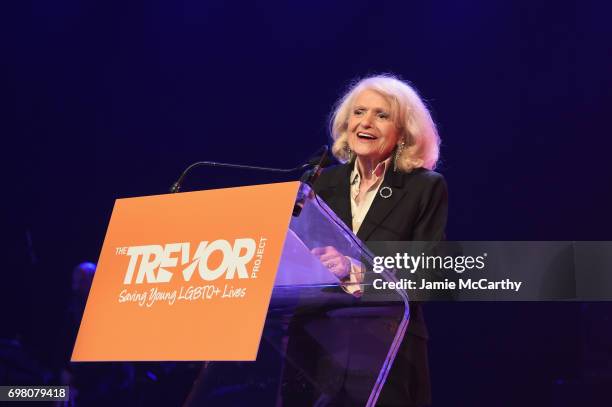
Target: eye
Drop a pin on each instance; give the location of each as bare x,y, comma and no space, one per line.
382,115
358,112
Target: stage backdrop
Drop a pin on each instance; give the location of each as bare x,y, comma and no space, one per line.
110,99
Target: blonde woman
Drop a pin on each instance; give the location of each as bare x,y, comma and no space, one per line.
386,190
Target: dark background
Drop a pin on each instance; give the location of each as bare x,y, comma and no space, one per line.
109,99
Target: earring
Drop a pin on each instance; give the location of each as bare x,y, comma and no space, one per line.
349,153
398,153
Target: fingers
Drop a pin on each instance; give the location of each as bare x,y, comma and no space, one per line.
339,267
338,273
340,270
330,257
318,251
333,260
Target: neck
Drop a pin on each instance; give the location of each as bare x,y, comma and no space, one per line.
366,167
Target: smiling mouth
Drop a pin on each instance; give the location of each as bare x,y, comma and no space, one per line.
366,136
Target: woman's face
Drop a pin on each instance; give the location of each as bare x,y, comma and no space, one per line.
372,133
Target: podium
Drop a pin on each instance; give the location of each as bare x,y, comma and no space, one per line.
318,345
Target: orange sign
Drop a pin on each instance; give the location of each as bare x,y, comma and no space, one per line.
186,276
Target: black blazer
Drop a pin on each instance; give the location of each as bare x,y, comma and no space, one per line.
416,210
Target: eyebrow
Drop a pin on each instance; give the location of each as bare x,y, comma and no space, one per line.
376,109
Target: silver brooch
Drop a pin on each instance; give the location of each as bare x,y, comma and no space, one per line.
385,192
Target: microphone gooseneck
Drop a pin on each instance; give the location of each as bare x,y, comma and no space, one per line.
317,163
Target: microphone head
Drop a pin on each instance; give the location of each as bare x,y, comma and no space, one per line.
322,158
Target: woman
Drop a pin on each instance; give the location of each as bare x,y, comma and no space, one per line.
386,191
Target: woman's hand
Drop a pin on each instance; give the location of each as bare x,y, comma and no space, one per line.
335,261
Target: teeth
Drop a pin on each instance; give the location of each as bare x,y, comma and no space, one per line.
366,135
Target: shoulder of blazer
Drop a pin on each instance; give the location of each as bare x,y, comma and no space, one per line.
418,176
421,184
332,177
336,176
333,187
424,185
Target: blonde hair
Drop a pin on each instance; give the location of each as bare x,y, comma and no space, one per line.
411,116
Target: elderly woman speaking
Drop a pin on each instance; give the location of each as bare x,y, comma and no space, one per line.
386,190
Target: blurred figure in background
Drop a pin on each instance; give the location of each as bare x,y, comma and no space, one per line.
94,384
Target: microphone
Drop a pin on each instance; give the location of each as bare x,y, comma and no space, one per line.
319,160
322,159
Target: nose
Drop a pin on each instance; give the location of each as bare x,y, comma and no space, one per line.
366,120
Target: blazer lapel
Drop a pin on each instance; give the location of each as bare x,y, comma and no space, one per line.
382,206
